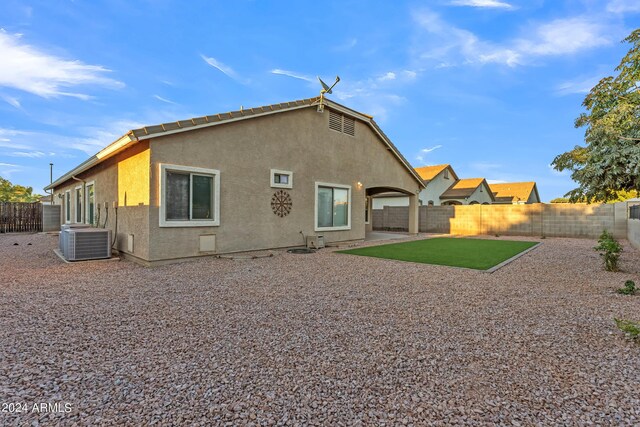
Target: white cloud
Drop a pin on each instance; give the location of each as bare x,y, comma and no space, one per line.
428,150
8,165
159,98
421,155
496,181
292,74
565,36
30,154
347,45
482,3
14,102
622,6
577,86
29,69
447,45
388,76
409,74
225,69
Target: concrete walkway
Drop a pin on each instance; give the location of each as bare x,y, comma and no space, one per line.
372,236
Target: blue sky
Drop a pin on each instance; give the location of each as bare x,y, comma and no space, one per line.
490,86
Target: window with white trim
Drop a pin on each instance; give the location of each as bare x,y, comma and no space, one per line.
78,204
333,207
367,209
281,179
189,196
67,206
90,203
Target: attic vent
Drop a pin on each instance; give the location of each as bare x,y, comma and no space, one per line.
340,123
349,126
335,121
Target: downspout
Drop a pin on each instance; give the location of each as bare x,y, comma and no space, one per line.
82,201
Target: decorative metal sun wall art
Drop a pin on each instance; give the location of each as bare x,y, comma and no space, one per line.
281,203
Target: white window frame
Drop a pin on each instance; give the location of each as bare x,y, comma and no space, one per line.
86,201
67,207
368,205
164,167
281,172
75,202
315,210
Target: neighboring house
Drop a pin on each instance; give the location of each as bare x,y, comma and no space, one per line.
252,179
437,179
516,193
470,191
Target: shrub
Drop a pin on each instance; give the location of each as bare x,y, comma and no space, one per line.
629,288
609,249
631,329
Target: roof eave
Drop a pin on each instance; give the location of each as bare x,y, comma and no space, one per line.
110,150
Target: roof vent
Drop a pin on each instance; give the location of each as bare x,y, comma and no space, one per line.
341,123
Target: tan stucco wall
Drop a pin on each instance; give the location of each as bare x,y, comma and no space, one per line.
299,141
115,177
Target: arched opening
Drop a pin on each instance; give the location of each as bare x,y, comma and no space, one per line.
451,203
473,202
390,211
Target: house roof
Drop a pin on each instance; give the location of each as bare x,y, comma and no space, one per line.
427,173
513,191
136,135
463,188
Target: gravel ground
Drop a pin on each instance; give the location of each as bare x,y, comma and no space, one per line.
320,339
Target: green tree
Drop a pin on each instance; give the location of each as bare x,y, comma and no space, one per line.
16,193
610,160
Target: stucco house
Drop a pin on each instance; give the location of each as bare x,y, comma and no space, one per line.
245,180
470,191
437,179
516,193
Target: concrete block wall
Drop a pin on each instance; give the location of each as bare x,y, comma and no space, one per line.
394,218
553,220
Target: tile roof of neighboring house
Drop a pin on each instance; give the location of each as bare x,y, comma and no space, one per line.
513,191
148,132
462,188
429,172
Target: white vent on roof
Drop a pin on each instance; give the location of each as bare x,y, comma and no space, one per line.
341,123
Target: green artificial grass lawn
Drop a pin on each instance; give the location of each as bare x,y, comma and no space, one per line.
478,254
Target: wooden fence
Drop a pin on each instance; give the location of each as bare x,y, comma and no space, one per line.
17,217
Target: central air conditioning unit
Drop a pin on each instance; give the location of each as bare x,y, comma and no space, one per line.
87,243
63,235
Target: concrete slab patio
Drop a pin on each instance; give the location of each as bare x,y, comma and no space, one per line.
317,339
